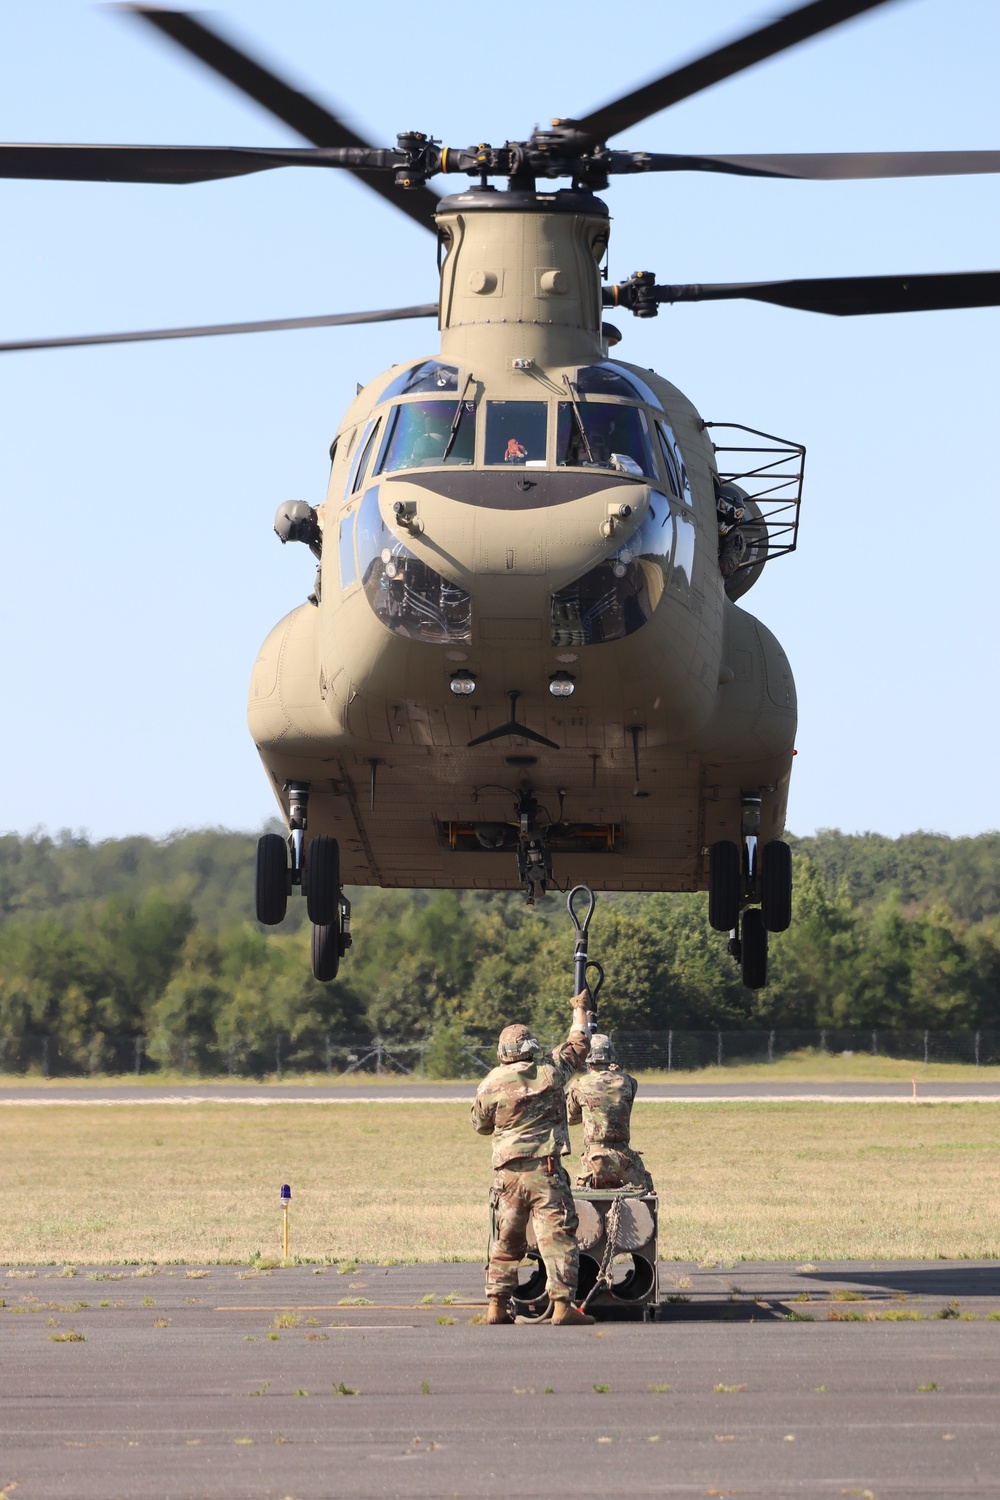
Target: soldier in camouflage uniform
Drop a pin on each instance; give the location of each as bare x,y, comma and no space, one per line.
602,1098
522,1105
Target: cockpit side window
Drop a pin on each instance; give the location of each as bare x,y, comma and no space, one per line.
669,461
348,568
606,429
361,463
426,434
676,472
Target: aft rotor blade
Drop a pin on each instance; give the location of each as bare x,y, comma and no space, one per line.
210,330
725,62
830,166
311,119
851,296
160,164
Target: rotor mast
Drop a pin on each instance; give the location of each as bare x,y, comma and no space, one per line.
520,278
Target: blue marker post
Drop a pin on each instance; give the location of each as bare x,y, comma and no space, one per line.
286,1198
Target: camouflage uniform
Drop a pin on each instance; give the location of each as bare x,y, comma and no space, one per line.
602,1099
522,1104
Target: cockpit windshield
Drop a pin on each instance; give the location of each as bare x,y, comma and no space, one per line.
428,434
589,432
515,432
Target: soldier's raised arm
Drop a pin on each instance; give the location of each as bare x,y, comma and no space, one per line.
572,1055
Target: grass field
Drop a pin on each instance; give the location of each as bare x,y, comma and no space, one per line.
403,1183
806,1066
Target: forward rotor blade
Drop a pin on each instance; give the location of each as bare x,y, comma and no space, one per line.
160,164
210,330
725,62
851,296
828,166
296,109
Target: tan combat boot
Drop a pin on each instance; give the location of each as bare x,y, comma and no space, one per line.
497,1310
565,1312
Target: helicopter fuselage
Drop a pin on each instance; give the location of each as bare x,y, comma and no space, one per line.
520,602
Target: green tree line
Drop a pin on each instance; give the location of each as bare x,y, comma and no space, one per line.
135,938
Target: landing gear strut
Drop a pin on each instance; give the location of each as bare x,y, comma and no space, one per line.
534,862
740,876
316,871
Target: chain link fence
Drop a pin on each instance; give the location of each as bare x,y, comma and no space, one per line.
685,1051
453,1053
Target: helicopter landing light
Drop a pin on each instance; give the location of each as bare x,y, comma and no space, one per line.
462,684
562,685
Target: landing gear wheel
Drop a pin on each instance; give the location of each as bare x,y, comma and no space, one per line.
725,879
322,881
753,949
271,879
776,885
326,951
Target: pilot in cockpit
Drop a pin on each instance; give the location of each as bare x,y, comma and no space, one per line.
604,436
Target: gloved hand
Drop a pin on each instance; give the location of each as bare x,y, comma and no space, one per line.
583,1017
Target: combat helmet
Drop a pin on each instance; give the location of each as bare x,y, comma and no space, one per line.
602,1052
517,1044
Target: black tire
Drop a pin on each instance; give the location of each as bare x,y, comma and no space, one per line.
776,885
271,879
725,885
322,877
326,951
753,957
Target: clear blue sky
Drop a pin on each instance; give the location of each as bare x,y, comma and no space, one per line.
138,485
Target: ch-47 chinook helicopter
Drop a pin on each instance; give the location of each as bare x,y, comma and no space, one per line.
524,660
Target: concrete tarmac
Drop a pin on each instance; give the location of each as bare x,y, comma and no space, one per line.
851,1379
403,1091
